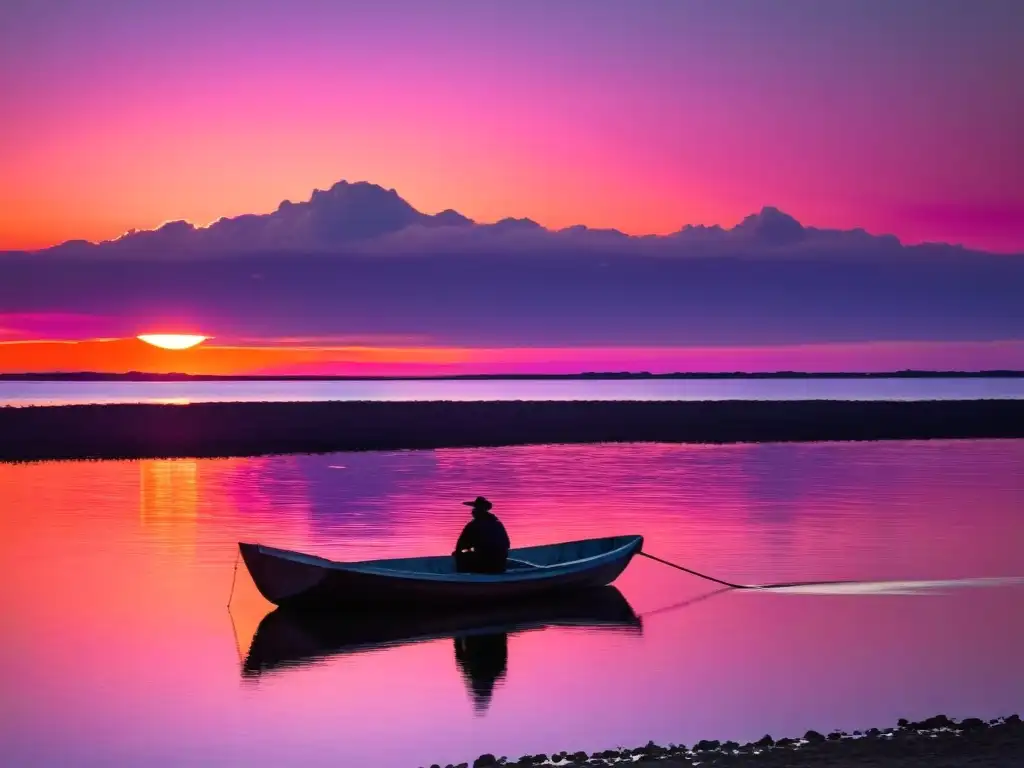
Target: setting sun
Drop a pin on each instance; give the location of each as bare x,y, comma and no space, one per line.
172,340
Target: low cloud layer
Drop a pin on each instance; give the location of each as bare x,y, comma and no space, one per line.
365,218
357,260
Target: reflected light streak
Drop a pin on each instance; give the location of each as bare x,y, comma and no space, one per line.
169,501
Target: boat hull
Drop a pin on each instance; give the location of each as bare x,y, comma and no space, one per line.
290,579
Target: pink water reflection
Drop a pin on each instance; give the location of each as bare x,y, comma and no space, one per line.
120,647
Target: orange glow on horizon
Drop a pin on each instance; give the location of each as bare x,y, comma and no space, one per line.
113,356
124,355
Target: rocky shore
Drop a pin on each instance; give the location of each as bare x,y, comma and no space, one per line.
938,742
249,429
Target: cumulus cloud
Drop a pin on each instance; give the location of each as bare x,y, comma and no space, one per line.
358,261
364,218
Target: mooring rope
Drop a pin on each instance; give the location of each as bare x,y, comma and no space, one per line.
695,573
743,586
234,577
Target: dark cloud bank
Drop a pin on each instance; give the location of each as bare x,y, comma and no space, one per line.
358,259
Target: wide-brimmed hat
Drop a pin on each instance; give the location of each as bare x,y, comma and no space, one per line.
479,503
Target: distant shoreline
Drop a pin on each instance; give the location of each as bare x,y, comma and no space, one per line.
136,376
132,431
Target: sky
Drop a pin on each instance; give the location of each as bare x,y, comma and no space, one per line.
785,131
896,117
213,358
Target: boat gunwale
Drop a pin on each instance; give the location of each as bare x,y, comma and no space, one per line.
538,573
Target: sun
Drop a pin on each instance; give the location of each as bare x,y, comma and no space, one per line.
172,340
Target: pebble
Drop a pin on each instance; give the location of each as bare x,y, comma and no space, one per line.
912,734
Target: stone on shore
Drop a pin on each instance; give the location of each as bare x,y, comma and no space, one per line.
936,742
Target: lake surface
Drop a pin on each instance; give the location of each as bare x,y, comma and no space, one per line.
18,393
118,647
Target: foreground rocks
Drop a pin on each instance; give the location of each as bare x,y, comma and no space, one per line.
938,742
127,431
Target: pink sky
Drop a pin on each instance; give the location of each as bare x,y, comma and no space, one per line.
897,118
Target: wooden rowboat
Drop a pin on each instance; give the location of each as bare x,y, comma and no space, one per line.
288,578
295,638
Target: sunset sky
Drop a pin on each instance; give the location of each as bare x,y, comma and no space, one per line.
899,118
120,355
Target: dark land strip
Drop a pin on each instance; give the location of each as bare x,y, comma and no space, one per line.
262,428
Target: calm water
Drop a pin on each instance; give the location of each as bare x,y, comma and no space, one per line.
70,392
118,648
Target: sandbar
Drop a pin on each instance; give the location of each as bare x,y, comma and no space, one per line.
127,431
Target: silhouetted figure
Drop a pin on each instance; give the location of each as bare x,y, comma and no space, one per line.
483,544
482,659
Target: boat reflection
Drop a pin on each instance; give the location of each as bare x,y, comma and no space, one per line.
289,638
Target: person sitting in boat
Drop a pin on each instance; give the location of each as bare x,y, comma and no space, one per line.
483,544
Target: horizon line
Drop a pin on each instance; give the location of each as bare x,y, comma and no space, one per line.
894,373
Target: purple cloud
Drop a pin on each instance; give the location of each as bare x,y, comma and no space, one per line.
358,261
